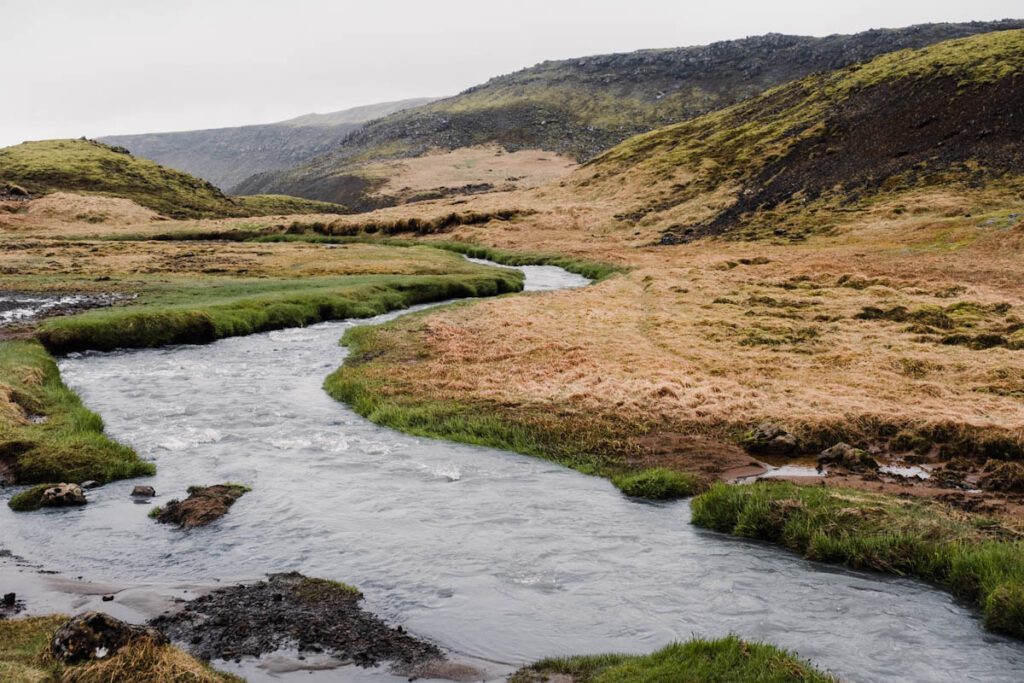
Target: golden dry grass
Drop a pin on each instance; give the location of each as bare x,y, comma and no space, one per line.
468,166
117,259
696,340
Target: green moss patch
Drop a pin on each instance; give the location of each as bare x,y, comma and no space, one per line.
695,661
658,484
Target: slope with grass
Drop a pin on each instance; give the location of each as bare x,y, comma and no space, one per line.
226,156
89,167
795,159
581,107
897,330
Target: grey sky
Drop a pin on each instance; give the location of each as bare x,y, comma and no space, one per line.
85,67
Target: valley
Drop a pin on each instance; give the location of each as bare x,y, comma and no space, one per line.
732,385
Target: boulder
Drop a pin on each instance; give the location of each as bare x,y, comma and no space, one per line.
63,495
143,492
90,484
96,635
846,457
770,438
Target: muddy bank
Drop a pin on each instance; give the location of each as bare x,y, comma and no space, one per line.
292,611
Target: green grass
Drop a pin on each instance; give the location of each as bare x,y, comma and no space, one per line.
975,558
658,484
21,643
726,660
313,590
86,166
204,311
590,443
69,446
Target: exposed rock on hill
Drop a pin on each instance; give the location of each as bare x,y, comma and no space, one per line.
946,115
582,107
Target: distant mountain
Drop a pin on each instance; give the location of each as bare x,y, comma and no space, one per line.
788,162
226,156
582,107
89,167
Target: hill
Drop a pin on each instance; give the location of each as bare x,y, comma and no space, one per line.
793,159
89,167
226,156
582,107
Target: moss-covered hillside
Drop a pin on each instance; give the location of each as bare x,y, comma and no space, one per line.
86,166
582,107
792,160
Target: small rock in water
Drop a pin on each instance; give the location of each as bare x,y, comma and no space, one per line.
143,492
63,495
10,599
108,598
90,484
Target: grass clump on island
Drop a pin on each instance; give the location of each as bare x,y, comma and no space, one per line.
696,661
46,434
978,559
24,658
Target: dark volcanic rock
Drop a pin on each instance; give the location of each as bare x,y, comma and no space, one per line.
291,610
582,107
205,504
95,635
143,492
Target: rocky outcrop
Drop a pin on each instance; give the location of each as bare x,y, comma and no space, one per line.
291,610
96,635
582,107
63,495
845,456
769,438
204,505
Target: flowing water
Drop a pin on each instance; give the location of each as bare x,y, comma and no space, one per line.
494,555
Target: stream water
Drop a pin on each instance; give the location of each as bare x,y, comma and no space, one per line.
494,555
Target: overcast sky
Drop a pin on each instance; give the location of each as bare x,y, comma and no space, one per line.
92,67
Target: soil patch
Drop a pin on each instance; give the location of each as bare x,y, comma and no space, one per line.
292,611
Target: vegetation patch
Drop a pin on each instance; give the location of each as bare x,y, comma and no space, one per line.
695,661
659,484
201,314
46,434
25,658
978,559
